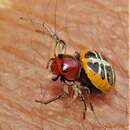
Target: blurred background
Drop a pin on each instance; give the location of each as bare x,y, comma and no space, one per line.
83,24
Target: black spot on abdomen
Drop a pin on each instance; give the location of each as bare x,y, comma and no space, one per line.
86,82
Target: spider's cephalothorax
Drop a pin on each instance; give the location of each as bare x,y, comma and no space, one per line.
66,67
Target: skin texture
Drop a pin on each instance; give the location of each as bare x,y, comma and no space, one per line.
92,24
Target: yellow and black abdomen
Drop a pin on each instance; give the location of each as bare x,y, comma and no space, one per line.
96,71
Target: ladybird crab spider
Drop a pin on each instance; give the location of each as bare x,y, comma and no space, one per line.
59,52
59,65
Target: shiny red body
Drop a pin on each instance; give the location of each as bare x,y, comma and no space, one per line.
66,66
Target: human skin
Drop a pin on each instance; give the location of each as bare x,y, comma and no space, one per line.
92,24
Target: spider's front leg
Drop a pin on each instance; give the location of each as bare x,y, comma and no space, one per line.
60,45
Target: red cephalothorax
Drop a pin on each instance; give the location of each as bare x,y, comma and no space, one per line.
65,66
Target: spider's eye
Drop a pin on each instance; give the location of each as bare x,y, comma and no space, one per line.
64,68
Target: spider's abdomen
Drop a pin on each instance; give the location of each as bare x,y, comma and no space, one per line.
99,72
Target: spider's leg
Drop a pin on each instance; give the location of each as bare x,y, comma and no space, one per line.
85,106
52,99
